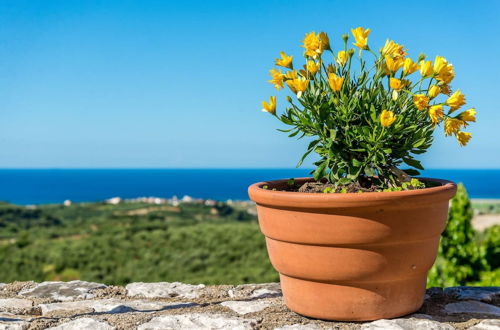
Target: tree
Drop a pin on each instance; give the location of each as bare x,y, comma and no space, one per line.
459,260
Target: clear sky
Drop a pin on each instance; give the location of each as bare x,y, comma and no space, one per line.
179,84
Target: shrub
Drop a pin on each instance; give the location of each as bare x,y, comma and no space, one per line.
367,116
459,259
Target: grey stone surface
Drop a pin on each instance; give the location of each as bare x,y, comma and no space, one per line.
262,293
297,326
63,291
246,307
472,307
86,323
7,304
406,324
487,325
9,321
83,305
14,325
486,294
110,306
164,290
197,321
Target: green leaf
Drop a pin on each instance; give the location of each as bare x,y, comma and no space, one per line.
411,172
419,143
319,173
413,162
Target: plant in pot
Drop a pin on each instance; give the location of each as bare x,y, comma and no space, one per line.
356,240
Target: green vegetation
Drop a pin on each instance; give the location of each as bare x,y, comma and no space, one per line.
465,256
118,244
193,243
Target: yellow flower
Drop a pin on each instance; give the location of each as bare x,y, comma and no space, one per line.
271,106
387,118
285,61
439,64
277,78
290,85
396,83
325,41
463,138
392,49
468,115
421,101
445,89
335,82
436,113
291,75
393,64
342,57
425,68
446,74
452,125
313,44
312,66
434,91
456,100
361,37
409,66
298,85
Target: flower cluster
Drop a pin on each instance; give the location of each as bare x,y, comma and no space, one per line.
381,115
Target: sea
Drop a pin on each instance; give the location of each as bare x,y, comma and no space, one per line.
44,186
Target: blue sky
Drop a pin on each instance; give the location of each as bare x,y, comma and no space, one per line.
141,84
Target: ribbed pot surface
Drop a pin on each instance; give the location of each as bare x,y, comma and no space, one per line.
352,257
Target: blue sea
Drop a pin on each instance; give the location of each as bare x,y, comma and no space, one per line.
85,185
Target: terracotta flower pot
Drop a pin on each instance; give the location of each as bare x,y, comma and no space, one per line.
352,257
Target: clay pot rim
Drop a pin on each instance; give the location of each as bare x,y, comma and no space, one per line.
446,190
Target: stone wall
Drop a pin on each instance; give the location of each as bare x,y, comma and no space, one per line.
143,306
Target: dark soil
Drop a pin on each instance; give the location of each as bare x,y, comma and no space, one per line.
365,185
319,187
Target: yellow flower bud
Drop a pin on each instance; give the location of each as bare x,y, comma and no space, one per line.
426,68
421,101
439,64
396,83
361,37
392,49
335,82
277,78
468,115
434,91
387,117
298,85
271,106
463,138
452,125
291,75
312,66
446,74
456,100
393,64
285,61
409,66
436,113
342,57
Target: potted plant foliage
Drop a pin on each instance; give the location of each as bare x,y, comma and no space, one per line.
355,241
